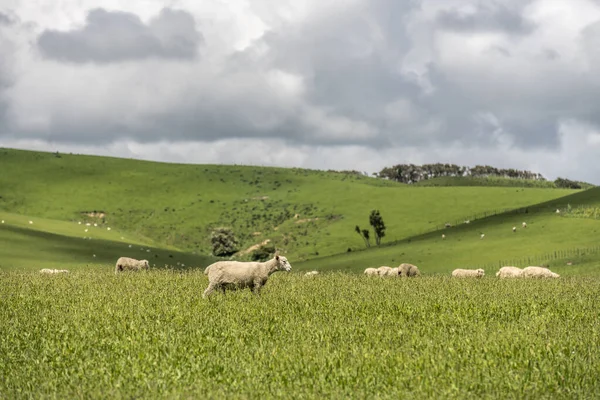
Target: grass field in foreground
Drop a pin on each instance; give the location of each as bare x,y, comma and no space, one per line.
150,335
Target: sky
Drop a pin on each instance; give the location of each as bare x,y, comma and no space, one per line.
340,84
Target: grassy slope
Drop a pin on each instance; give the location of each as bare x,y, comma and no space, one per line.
177,205
96,335
547,232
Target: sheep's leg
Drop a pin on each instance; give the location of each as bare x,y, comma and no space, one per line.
209,290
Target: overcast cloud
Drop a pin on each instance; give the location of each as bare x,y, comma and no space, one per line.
353,84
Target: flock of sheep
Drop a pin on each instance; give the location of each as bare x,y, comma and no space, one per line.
408,270
223,275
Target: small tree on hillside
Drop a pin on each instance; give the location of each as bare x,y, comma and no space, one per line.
376,221
224,242
363,234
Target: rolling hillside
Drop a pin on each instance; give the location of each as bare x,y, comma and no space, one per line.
308,214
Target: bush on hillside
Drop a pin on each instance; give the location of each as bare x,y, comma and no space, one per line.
263,253
224,242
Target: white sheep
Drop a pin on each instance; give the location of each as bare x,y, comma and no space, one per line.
239,275
509,272
311,273
2,221
468,273
539,272
53,271
524,224
514,228
384,271
557,211
130,264
371,271
443,236
108,228
482,236
408,270
30,222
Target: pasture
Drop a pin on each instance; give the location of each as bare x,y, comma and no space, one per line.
307,214
93,334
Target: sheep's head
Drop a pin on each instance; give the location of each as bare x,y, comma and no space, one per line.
145,264
282,263
480,272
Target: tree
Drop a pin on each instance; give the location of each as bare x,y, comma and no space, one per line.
224,242
364,234
376,221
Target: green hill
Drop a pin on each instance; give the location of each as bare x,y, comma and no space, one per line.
306,213
571,235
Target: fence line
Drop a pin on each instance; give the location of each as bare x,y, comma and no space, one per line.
544,258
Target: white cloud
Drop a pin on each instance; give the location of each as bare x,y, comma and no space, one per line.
351,84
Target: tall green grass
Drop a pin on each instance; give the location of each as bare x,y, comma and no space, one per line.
150,335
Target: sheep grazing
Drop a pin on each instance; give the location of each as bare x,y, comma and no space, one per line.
557,211
130,264
371,271
239,275
482,236
514,228
468,273
443,236
509,272
408,270
384,271
311,273
524,224
539,272
53,271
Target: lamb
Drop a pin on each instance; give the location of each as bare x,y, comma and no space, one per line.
311,273
408,270
468,273
539,272
482,236
371,271
130,264
509,272
239,275
514,228
524,224
53,271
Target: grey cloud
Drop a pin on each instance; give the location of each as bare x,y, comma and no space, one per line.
112,36
494,17
5,19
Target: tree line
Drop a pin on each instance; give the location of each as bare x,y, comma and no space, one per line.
411,173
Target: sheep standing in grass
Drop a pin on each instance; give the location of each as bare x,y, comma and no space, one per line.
509,272
524,224
408,270
468,273
539,272
371,271
239,275
384,271
53,271
130,264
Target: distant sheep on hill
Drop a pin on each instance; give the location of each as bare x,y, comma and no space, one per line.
539,272
509,272
468,273
130,264
239,275
53,271
408,270
524,224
